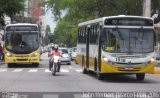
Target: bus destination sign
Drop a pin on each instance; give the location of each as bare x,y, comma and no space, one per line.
129,22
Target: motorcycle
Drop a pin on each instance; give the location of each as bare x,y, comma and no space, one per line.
56,64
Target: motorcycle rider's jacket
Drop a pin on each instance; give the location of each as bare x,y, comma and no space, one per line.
56,52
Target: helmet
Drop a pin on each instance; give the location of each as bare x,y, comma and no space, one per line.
56,47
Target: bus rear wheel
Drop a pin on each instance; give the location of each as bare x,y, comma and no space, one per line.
100,76
140,76
84,70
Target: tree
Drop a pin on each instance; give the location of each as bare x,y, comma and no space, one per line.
82,10
156,9
48,30
10,8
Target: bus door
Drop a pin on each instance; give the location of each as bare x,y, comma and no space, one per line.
100,40
87,46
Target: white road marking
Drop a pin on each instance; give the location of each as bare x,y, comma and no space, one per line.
50,96
70,67
17,70
3,70
64,70
78,70
33,70
78,96
47,70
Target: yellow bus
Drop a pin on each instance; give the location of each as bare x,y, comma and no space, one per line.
22,44
117,45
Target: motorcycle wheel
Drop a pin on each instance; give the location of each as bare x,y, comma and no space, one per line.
54,69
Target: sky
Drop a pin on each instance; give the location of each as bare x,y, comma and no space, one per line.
50,20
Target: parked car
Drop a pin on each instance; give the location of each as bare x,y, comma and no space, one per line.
74,53
50,50
42,50
66,58
70,50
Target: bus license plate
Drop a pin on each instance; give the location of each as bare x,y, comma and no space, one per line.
129,68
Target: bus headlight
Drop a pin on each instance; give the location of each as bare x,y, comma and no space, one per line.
106,59
9,54
152,59
34,54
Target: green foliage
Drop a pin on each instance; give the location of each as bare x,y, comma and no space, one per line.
82,10
10,8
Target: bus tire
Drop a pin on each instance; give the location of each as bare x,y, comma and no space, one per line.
69,63
76,61
10,65
95,65
140,76
36,64
100,76
84,70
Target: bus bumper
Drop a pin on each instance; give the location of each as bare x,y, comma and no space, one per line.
127,69
21,60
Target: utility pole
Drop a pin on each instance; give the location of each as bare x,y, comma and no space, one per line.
147,8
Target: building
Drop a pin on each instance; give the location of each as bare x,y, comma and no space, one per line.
28,6
147,8
26,15
38,13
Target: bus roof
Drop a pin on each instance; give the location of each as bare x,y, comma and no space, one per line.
103,18
20,24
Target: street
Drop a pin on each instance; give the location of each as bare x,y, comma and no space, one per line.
70,79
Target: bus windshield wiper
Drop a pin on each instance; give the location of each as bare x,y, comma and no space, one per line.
119,33
142,38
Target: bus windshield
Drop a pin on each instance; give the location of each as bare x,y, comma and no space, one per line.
128,40
21,42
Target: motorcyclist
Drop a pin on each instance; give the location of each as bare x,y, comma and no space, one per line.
54,52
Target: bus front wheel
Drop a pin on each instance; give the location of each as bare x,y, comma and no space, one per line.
140,76
35,64
100,76
10,65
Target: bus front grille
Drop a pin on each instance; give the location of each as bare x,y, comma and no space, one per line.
129,63
22,56
129,69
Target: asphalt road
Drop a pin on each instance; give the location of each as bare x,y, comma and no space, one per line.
69,83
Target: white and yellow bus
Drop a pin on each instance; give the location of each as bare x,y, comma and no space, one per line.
22,44
117,45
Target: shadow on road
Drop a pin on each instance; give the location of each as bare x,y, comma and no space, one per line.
122,78
23,66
